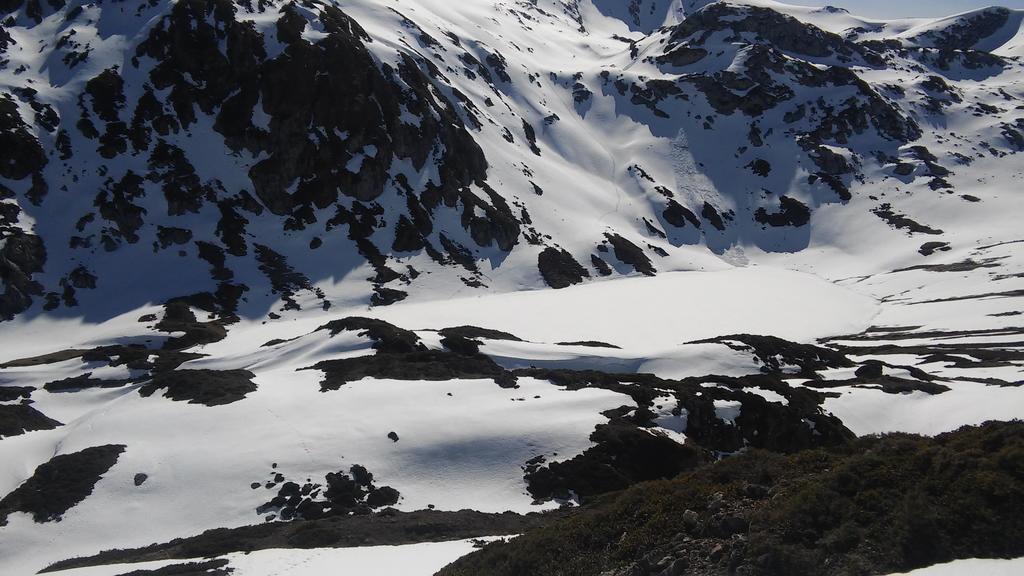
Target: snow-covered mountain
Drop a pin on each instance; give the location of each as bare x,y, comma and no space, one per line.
291,260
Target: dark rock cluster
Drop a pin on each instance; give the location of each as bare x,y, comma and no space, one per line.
60,484
18,419
206,387
400,355
340,494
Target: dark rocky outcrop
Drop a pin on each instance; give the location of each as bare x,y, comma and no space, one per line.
964,33
60,484
340,494
475,332
284,280
775,354
387,338
419,365
21,256
612,464
206,387
16,419
629,253
768,26
679,216
23,155
902,222
13,393
711,214
792,212
83,382
624,455
559,269
178,317
293,90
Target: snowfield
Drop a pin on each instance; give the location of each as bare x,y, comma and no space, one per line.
661,312
720,225
408,560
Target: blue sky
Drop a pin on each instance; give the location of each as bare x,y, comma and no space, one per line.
903,8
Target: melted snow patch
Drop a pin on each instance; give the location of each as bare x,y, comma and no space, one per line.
668,422
728,410
768,395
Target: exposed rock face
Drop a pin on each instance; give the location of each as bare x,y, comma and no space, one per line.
21,418
791,212
230,128
207,387
21,256
965,32
324,119
23,155
60,484
629,253
560,269
302,90
780,30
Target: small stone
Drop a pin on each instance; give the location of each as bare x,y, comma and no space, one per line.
756,491
717,552
717,502
733,525
677,568
870,369
691,519
904,169
140,478
393,436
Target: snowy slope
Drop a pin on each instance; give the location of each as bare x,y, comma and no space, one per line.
636,196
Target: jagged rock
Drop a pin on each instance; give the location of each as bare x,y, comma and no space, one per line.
929,248
792,212
23,155
559,269
18,419
21,256
629,253
682,56
712,216
775,28
900,221
602,267
678,215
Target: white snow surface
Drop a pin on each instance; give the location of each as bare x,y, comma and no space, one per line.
845,273
406,560
971,567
